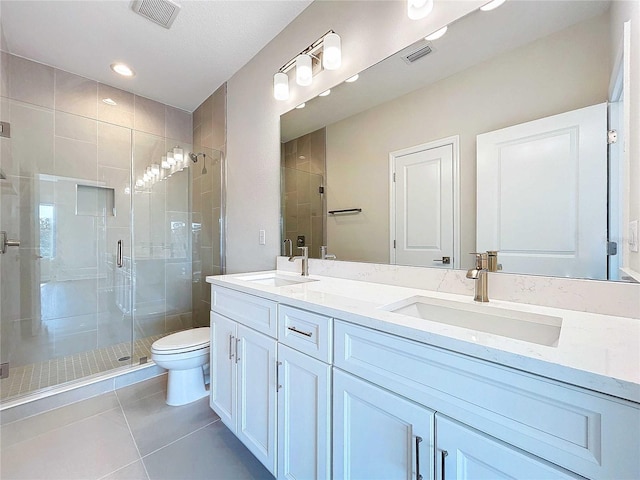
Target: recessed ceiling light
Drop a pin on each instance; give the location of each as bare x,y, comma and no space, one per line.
109,101
122,69
352,79
325,93
437,34
492,5
302,105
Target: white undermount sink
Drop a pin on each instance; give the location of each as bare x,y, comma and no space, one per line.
276,280
530,327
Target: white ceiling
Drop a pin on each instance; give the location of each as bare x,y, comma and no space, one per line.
208,42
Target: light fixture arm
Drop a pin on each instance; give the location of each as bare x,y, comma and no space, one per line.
311,50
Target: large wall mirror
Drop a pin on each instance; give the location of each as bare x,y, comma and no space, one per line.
493,136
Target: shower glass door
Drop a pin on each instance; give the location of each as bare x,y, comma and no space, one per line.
66,302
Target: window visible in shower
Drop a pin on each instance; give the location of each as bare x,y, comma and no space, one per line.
47,230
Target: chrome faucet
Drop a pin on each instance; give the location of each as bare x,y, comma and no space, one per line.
290,243
324,255
479,274
305,260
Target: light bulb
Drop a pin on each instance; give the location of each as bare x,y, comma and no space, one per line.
417,9
281,86
437,34
178,154
304,73
492,5
122,69
331,51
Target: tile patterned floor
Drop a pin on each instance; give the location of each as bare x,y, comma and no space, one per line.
129,434
29,378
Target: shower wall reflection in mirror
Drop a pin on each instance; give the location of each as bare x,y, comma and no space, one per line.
497,139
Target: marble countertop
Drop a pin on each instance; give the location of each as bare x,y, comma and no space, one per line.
597,352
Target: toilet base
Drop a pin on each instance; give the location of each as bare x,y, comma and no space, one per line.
185,386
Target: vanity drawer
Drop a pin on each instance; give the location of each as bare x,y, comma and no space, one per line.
255,312
585,432
306,332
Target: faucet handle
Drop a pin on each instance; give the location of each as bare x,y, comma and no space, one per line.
481,260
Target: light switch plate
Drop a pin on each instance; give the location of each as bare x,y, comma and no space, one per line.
633,236
263,237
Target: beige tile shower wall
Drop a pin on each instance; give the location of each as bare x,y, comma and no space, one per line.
304,212
64,132
209,137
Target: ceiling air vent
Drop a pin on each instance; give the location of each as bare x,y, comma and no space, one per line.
416,54
162,12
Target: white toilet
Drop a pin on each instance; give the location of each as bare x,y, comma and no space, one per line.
184,354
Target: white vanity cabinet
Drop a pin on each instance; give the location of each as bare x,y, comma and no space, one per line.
554,423
379,435
463,453
304,416
304,394
275,399
243,371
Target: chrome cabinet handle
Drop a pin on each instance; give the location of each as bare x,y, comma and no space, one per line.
278,386
237,353
119,254
443,457
230,347
5,242
418,441
294,329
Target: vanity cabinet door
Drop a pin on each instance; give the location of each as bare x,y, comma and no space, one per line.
379,435
465,453
256,423
223,369
304,416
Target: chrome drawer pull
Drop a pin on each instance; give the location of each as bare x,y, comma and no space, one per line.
278,386
230,347
237,352
294,329
418,440
444,456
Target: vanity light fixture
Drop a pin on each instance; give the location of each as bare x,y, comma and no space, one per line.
155,169
418,9
281,86
437,34
492,5
171,159
352,79
302,105
324,53
304,73
109,101
165,164
122,69
332,51
325,93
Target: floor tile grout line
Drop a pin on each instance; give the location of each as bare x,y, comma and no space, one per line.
178,439
124,414
122,468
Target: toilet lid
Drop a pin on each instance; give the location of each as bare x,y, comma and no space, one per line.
194,338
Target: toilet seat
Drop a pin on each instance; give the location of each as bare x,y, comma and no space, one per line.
182,342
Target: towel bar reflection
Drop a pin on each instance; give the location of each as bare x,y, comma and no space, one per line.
346,210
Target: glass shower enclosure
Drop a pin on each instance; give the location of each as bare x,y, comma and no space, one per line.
96,258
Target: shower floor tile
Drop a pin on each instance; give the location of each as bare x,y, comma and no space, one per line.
26,379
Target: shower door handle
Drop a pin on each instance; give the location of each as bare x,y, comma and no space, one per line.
5,242
119,254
